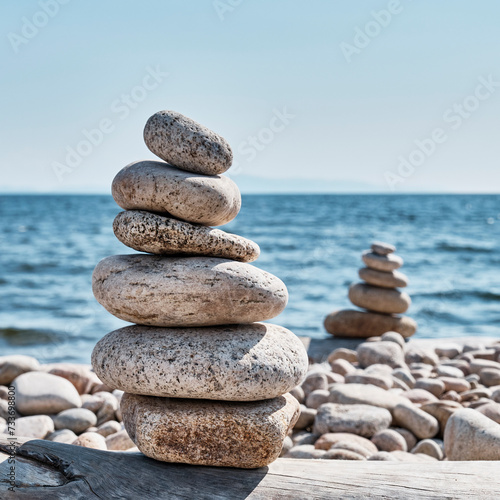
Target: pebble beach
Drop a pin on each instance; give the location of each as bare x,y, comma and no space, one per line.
385,400
200,378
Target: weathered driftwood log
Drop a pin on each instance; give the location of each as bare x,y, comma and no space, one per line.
52,471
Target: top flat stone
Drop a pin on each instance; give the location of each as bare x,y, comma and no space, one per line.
159,187
182,142
381,248
386,263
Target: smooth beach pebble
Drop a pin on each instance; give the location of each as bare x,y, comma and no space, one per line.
469,435
62,436
234,363
385,263
362,394
389,440
39,392
358,419
159,187
119,441
81,376
216,433
75,419
91,440
377,299
391,279
330,439
181,141
153,233
186,291
381,248
36,426
421,423
15,365
361,324
108,428
350,446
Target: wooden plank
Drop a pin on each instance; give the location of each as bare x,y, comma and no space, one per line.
74,473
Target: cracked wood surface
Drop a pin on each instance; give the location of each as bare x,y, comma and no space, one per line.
53,471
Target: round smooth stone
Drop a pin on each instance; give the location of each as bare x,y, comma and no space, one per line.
217,433
186,291
42,393
230,363
159,187
384,300
391,279
385,263
361,324
381,248
153,233
181,141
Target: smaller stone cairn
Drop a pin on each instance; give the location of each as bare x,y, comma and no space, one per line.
378,295
205,381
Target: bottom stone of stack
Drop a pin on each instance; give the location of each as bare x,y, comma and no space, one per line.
215,433
361,324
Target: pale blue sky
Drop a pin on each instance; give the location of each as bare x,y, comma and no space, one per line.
349,121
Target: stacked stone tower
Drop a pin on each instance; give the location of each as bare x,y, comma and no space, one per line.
378,295
205,381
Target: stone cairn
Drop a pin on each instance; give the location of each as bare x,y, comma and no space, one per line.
378,295
205,382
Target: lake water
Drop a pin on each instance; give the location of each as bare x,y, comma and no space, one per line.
450,244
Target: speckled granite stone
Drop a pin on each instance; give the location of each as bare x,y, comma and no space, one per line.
361,324
386,263
392,279
159,187
186,291
186,144
216,433
384,300
233,363
153,233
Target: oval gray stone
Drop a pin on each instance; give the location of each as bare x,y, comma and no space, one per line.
386,263
217,433
361,324
75,419
182,142
39,392
154,233
186,291
384,300
392,279
231,363
159,187
359,419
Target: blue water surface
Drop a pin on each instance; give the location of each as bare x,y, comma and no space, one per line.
450,244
